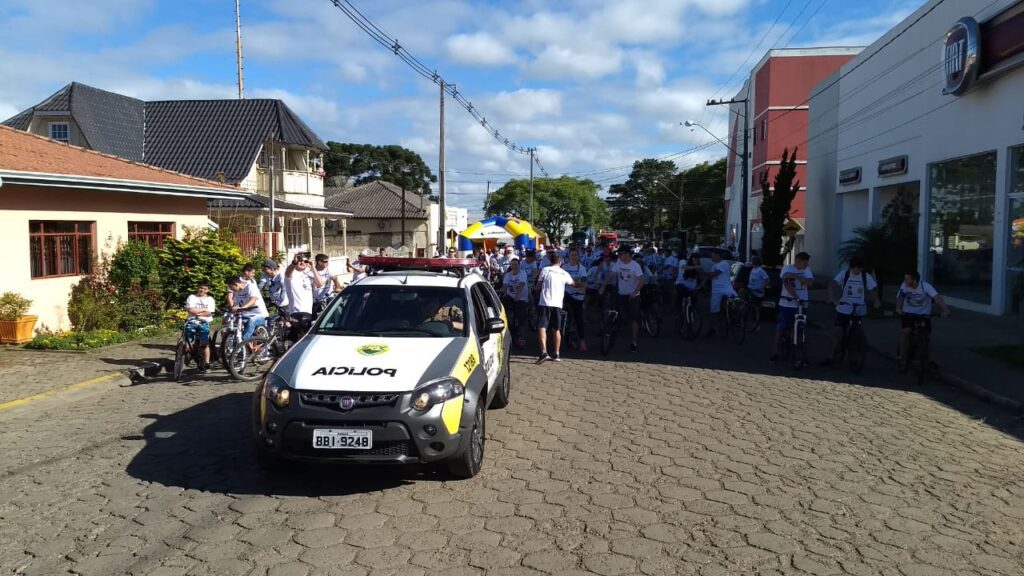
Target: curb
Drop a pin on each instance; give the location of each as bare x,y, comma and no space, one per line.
968,386
119,378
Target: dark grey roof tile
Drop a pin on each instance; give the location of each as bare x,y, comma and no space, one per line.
377,199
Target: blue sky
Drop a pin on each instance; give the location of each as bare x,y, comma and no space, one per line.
593,84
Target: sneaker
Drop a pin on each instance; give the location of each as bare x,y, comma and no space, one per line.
543,358
556,358
583,345
774,359
632,347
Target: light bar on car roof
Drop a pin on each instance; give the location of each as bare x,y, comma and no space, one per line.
383,263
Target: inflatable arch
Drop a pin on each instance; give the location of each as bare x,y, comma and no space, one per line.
489,230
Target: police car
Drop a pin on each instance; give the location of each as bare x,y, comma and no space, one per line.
400,368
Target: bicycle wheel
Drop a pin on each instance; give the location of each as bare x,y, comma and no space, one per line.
227,342
251,359
651,320
179,360
609,331
922,358
735,314
752,323
799,346
855,350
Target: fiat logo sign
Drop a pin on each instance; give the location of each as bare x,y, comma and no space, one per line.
960,56
347,402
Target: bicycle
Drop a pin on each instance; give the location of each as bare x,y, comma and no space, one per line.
754,302
917,352
251,358
739,317
609,323
690,320
233,327
854,344
793,345
188,351
650,316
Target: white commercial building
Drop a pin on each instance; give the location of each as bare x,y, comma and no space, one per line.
932,111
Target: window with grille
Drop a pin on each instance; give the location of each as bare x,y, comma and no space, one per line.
60,248
152,233
59,132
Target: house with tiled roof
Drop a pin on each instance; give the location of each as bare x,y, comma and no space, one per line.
385,216
259,145
63,205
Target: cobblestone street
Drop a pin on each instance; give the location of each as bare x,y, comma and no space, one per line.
691,458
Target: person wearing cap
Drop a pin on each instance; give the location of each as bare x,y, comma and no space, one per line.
273,282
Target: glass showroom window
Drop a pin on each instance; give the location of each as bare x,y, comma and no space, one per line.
1015,251
961,213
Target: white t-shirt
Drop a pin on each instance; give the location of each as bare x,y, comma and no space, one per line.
799,289
553,281
324,292
257,310
300,292
529,267
853,293
517,286
577,272
757,281
205,302
721,284
669,268
629,275
917,300
358,275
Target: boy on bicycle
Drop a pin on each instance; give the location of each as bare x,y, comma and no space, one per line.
249,303
796,278
200,307
914,303
628,277
721,288
855,288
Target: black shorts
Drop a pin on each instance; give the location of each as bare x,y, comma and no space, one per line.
908,320
550,316
843,320
628,306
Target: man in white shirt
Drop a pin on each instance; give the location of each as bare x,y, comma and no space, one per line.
515,289
552,284
758,281
721,287
200,307
795,278
299,281
356,268
914,304
855,288
273,281
629,278
322,295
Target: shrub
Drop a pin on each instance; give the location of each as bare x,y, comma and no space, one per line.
93,301
13,306
87,339
135,264
138,308
200,255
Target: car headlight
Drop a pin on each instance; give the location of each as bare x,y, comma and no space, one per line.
436,392
276,390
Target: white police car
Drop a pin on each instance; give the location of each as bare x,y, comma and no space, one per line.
399,368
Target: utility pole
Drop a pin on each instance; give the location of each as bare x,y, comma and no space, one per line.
402,243
487,199
744,226
273,215
532,151
679,216
238,47
440,181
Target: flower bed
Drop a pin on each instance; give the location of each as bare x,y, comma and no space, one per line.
90,339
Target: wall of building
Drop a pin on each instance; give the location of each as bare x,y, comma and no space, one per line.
892,105
372,234
111,211
821,224
40,125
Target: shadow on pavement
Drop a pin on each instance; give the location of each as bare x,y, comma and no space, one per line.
208,447
752,357
157,346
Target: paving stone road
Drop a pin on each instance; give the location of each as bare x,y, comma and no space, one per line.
686,458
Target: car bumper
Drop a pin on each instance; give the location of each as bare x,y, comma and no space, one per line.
400,434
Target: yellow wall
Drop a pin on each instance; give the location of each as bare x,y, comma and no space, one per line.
111,211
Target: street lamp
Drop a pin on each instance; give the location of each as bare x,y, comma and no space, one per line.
743,204
679,196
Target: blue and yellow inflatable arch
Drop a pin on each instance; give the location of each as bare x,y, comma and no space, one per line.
523,234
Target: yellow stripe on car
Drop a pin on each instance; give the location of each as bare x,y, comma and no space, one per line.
468,361
451,414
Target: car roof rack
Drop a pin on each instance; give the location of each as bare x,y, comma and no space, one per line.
458,266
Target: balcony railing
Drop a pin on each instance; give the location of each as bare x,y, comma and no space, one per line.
260,242
291,182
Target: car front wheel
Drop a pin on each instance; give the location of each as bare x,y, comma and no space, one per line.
468,463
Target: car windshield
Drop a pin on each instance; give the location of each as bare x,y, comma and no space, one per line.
400,311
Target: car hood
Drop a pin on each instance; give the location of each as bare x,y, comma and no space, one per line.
367,364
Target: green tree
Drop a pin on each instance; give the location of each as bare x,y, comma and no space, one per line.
776,201
200,255
642,203
364,163
703,189
135,264
557,202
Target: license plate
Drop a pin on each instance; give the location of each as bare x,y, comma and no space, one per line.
343,439
767,304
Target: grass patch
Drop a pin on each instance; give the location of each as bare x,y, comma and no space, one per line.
91,339
1013,355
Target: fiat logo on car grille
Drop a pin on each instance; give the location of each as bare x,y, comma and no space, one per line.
347,402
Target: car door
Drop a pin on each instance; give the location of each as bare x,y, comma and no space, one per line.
482,310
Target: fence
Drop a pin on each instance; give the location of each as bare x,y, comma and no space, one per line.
266,242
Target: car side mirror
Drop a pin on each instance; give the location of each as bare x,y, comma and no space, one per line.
495,325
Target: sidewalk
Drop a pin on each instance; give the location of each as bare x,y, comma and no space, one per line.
953,344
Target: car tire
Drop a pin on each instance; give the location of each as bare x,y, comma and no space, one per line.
468,463
504,390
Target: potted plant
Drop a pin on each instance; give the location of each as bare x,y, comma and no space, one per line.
15,325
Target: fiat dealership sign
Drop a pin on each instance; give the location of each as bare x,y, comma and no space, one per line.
960,56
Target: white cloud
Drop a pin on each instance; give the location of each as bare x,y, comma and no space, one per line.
558,62
526,104
313,109
480,49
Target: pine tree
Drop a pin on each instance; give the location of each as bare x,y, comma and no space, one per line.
776,201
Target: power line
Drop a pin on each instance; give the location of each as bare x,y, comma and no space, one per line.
379,35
